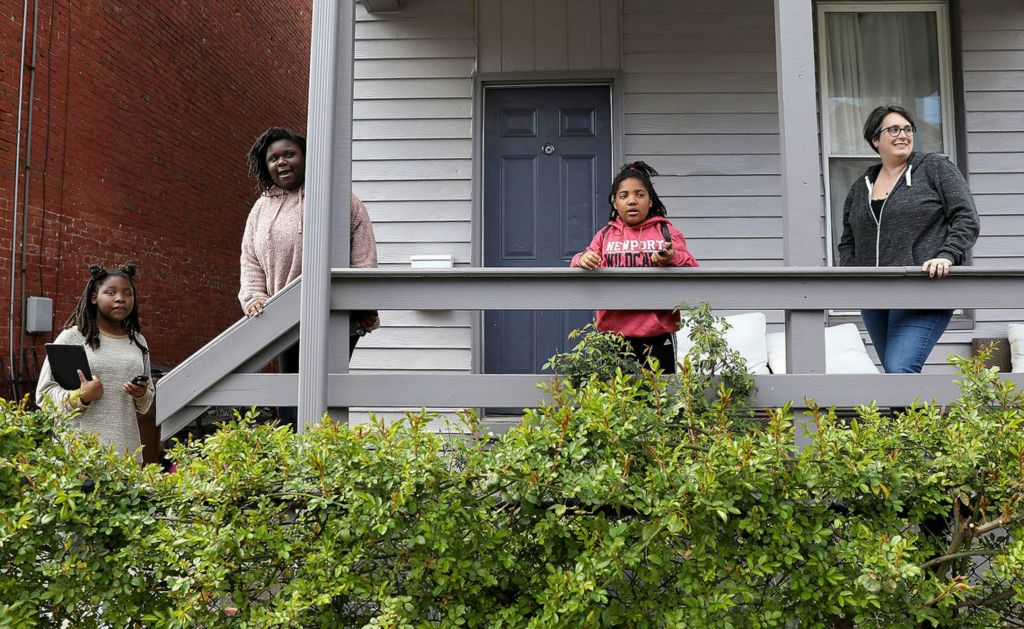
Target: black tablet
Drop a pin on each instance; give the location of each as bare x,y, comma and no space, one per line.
65,361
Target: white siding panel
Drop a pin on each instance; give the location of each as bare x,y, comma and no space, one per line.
1003,183
740,251
426,318
724,185
997,163
977,18
415,48
993,142
993,55
393,27
453,231
411,164
418,9
706,227
688,19
517,39
421,169
400,109
995,101
411,129
718,165
732,207
398,252
725,62
993,40
411,149
702,144
411,88
422,337
414,68
701,106
1008,80
550,25
406,211
994,60
415,359
721,124
999,121
989,204
700,42
548,35
412,190
700,81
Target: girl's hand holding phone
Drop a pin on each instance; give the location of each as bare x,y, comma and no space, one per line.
663,257
589,260
136,388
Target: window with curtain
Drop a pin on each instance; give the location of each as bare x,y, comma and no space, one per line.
872,54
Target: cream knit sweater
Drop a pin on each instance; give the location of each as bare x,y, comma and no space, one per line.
272,243
116,361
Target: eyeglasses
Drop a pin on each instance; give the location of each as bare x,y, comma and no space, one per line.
894,130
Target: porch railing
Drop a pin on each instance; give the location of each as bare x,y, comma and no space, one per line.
221,373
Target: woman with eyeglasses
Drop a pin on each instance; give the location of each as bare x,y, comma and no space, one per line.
912,209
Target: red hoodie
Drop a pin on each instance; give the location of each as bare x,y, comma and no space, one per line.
620,245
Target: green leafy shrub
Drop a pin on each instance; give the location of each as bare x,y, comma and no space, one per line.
630,500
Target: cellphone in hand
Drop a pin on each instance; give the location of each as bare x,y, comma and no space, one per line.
140,379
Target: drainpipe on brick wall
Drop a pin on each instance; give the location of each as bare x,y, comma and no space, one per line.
25,193
17,178
14,200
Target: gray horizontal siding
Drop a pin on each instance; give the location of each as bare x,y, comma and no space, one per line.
993,67
548,35
700,105
411,150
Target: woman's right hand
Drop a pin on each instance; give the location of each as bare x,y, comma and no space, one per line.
92,390
255,307
589,260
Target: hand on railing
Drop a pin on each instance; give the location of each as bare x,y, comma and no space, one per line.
255,307
937,268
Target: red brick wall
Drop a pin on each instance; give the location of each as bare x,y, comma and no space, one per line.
142,115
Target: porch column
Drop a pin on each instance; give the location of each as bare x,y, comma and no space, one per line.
323,336
801,173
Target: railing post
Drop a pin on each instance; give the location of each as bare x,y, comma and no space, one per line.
801,172
325,239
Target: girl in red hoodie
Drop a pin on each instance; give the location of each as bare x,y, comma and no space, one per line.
638,234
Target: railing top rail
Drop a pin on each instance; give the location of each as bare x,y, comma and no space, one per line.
786,272
781,288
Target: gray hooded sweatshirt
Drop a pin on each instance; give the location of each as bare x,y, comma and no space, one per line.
929,213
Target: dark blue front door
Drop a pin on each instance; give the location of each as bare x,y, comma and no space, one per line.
547,169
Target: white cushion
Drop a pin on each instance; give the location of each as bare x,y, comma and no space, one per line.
745,335
844,351
1015,332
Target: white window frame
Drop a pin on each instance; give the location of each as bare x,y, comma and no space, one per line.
941,11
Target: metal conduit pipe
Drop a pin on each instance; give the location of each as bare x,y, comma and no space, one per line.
14,201
26,191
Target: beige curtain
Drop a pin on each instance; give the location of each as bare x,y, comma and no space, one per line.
878,58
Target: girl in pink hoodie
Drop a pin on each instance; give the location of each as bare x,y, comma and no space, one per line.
638,234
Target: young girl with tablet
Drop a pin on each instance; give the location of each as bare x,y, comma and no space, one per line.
106,322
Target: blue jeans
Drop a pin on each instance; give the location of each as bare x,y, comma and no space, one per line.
904,338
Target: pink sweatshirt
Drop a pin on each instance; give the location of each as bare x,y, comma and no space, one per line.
272,243
620,245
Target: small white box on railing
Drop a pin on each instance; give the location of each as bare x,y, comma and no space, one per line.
431,261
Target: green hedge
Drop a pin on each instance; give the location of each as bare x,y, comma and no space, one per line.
630,501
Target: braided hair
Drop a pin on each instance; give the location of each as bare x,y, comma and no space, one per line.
643,172
84,315
256,160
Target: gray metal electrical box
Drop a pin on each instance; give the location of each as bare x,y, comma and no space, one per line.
39,315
